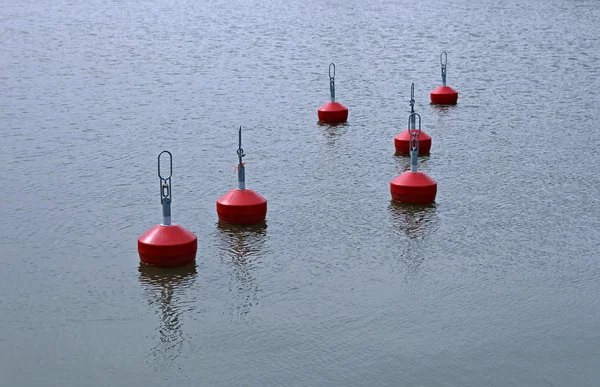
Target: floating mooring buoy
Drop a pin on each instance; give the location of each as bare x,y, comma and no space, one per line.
167,244
332,112
402,141
241,205
412,186
444,95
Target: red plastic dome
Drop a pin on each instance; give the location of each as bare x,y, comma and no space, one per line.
333,113
402,142
242,206
413,188
167,246
444,95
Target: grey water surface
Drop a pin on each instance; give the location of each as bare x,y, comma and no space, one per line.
496,284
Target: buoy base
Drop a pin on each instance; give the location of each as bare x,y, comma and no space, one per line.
413,188
333,113
402,142
167,246
242,207
444,95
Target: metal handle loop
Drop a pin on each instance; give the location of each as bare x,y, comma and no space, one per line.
412,120
330,66
170,165
444,61
414,140
240,153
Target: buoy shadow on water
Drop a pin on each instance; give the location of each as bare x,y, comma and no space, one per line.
333,133
413,220
242,242
333,126
401,157
241,247
260,227
162,289
403,161
443,110
161,276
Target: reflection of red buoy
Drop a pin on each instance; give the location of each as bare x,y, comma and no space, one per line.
444,95
167,244
241,205
414,187
332,112
402,141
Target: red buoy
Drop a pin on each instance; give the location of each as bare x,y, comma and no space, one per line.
241,205
402,141
414,187
444,95
332,112
167,244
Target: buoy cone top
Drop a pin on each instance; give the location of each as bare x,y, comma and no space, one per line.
402,142
333,113
444,95
413,188
242,207
167,246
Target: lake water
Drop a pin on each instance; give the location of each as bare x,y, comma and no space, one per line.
497,284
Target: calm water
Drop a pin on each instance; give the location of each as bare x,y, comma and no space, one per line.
495,285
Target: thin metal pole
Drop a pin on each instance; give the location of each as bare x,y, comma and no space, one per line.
240,167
